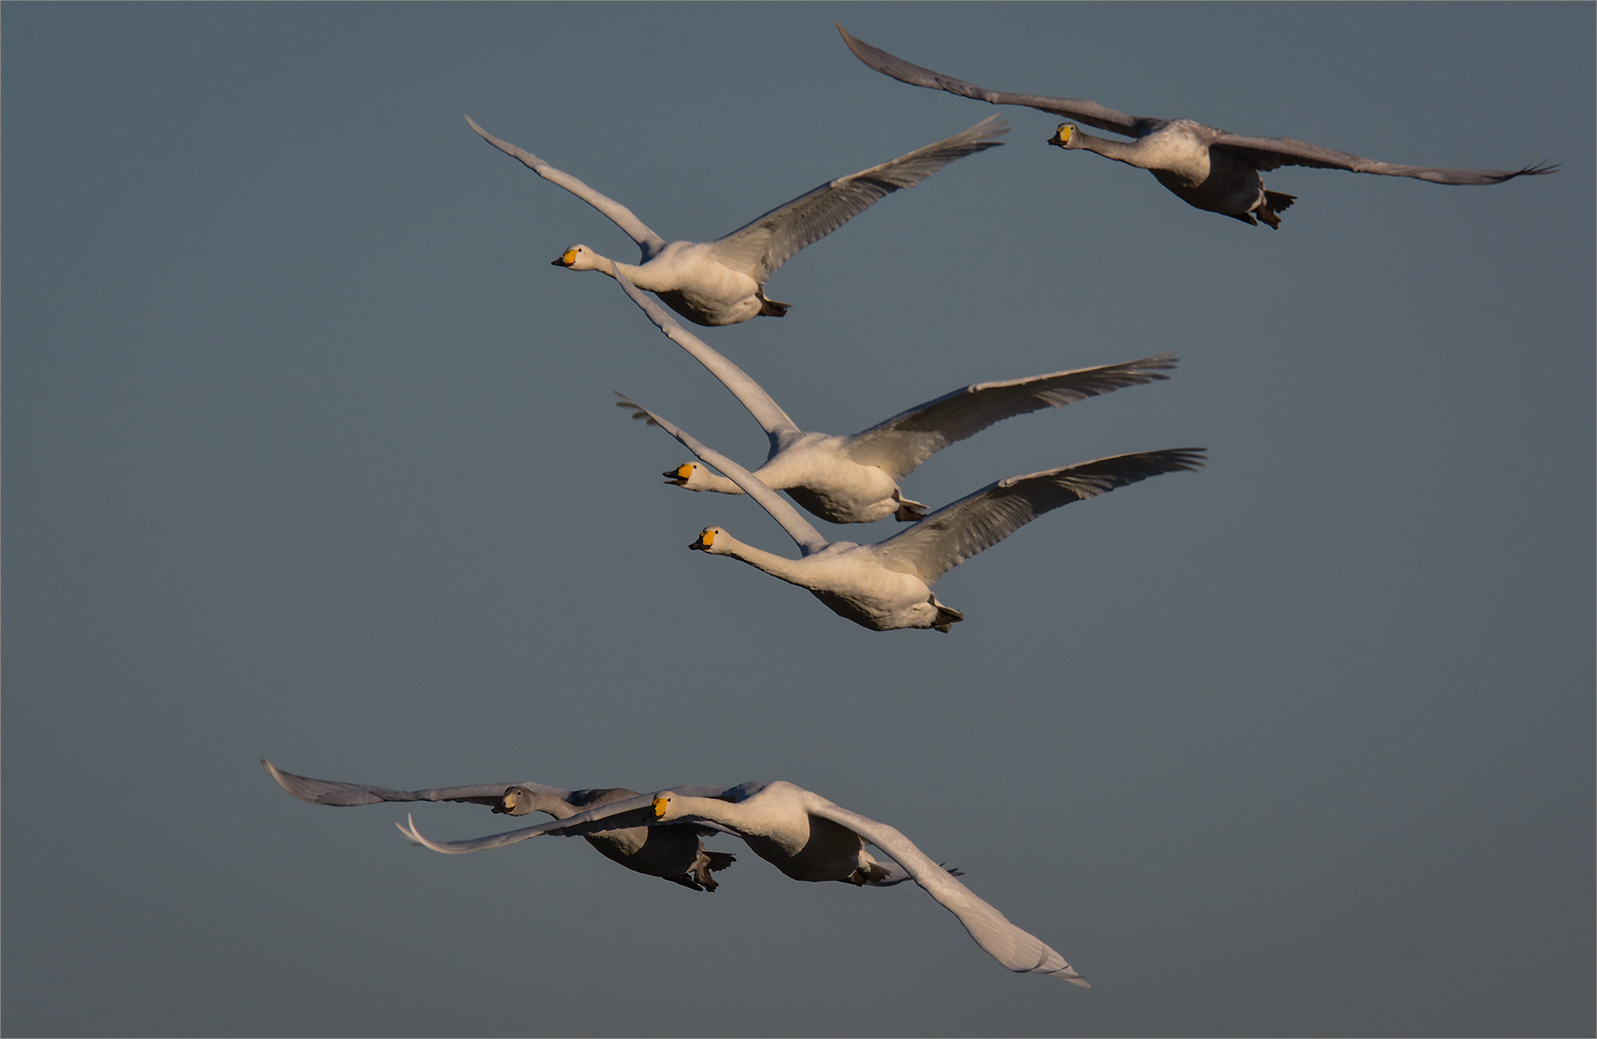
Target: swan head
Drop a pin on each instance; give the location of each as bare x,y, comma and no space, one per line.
1067,136
516,801
691,475
713,540
578,258
667,807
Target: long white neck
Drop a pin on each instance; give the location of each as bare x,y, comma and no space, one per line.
1127,152
789,570
643,277
704,480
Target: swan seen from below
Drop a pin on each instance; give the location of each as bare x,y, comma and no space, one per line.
808,838
888,585
674,853
854,479
723,282
1204,167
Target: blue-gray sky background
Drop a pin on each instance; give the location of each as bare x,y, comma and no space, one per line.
310,454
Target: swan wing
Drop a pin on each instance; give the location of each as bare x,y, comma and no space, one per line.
636,229
326,792
1089,112
956,532
1016,949
907,439
1268,153
617,815
798,528
763,245
778,427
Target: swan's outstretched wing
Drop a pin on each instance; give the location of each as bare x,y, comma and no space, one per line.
798,528
956,532
326,792
762,245
778,427
1089,112
907,439
617,815
1268,153
1016,949
649,242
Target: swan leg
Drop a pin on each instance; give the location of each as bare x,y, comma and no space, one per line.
908,511
945,615
771,308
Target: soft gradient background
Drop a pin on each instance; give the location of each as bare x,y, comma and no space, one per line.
310,454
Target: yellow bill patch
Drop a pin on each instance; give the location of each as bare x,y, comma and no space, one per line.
660,804
707,538
684,471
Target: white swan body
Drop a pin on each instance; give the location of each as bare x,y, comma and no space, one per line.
1207,168
808,838
888,585
723,282
673,853
854,479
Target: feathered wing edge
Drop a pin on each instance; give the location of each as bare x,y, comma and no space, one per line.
902,443
980,520
1089,112
648,242
761,246
1016,949
344,795
779,428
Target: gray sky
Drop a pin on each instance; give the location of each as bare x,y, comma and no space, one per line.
310,454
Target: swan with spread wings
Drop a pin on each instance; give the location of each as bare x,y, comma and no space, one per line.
723,282
673,853
888,585
1204,167
808,838
854,479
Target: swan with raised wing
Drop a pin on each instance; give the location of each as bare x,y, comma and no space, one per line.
808,838
1204,167
888,585
854,479
674,853
723,282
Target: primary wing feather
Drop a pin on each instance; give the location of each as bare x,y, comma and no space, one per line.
344,795
903,442
1016,949
1268,153
780,429
956,532
1089,112
764,244
648,242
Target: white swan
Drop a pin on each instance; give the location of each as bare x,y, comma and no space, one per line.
723,282
674,853
854,479
808,838
888,585
1206,168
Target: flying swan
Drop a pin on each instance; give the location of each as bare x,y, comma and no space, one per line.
1206,168
723,282
809,838
672,852
888,585
854,479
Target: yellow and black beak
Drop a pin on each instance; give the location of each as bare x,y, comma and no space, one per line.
565,259
679,476
660,805
1062,135
706,539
